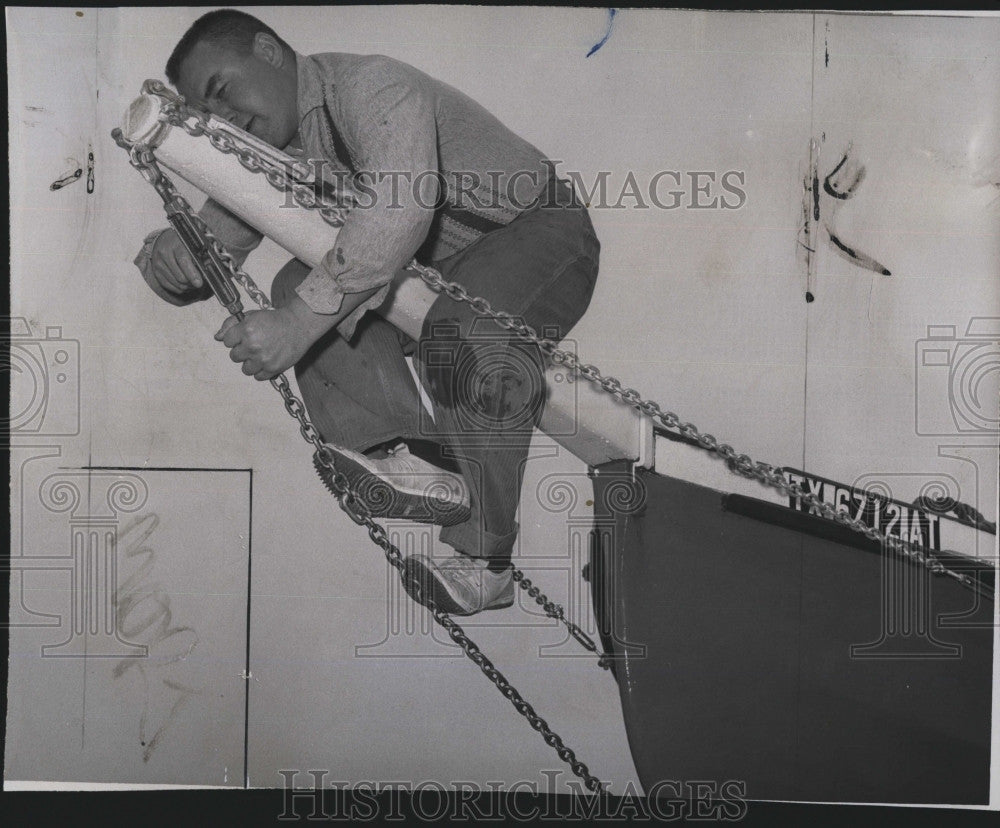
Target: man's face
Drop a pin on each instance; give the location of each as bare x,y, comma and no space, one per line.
255,90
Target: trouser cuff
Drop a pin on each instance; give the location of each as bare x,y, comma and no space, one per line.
478,543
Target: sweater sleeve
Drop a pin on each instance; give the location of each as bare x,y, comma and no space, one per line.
386,116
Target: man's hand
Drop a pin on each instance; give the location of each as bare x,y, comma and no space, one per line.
271,341
172,273
267,342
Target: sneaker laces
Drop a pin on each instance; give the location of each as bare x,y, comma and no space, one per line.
466,571
465,567
400,464
399,448
401,461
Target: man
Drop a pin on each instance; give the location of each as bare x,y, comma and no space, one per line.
446,183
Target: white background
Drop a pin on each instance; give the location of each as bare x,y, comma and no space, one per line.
703,310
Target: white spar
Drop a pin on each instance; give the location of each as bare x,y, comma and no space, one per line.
589,422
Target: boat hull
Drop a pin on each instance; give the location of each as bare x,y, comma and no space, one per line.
804,664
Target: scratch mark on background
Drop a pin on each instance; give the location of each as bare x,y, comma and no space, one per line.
857,257
815,194
151,628
810,214
603,40
842,185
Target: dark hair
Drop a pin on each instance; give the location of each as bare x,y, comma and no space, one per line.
225,27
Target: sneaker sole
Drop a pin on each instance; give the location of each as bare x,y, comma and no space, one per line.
387,501
417,573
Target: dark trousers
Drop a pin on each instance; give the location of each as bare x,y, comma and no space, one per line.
486,384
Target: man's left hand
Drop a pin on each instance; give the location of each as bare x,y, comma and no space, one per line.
267,342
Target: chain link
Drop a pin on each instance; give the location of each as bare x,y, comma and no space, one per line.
351,503
553,610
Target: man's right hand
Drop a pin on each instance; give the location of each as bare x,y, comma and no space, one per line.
172,273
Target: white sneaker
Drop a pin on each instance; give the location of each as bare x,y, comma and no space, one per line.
402,486
459,585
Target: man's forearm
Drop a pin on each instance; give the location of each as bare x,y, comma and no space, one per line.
317,324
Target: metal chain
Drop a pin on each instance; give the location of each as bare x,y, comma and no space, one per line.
553,610
177,114
355,507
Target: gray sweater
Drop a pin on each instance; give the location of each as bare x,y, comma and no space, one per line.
437,170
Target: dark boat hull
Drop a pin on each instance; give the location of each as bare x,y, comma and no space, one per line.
802,665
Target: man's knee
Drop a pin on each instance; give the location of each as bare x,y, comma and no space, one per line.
286,280
499,377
